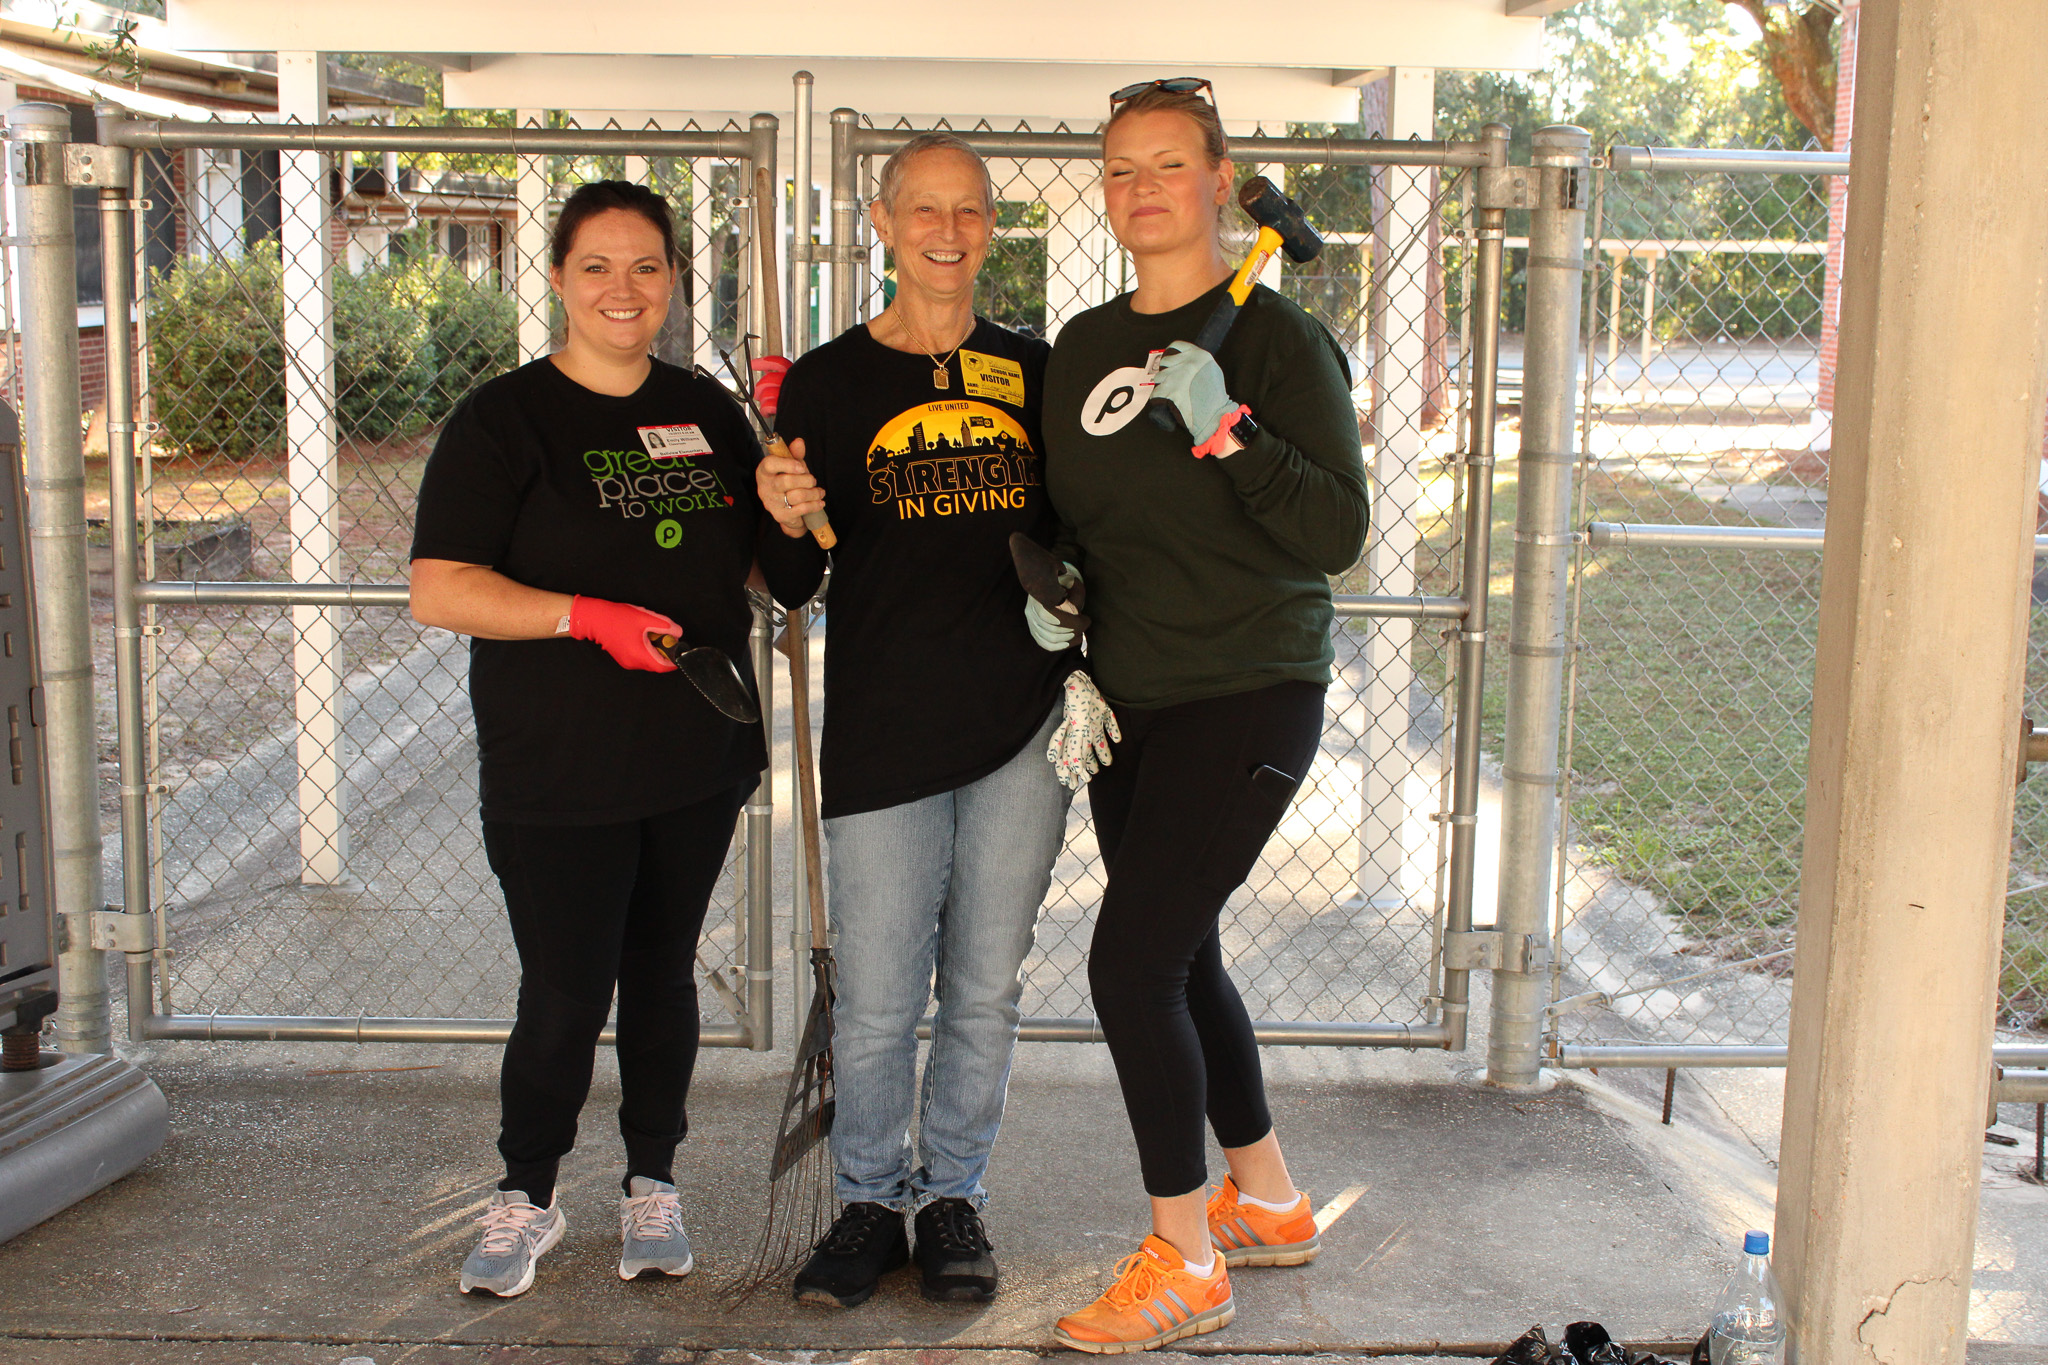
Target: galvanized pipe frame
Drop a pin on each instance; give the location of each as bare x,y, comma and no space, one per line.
2030,1084
852,142
1529,762
1293,151
2018,1074
53,469
1704,160
755,1030
1619,535
173,135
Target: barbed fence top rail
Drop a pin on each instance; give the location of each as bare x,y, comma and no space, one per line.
1699,160
1340,151
176,135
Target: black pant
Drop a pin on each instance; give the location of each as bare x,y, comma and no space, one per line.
593,906
1181,817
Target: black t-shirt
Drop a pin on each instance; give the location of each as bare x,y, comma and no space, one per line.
647,499
932,679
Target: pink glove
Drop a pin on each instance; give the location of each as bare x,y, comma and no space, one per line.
768,388
621,630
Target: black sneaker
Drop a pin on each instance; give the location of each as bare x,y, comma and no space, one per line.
864,1243
953,1252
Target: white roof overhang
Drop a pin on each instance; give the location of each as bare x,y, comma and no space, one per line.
1050,59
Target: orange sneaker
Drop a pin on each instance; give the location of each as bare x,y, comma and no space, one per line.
1154,1300
1244,1234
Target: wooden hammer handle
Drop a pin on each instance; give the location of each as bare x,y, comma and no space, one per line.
814,522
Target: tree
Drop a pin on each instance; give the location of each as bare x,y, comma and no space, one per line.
1799,49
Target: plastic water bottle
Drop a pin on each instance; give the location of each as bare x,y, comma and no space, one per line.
1749,1325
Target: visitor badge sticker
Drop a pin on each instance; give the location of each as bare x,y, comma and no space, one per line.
679,442
991,376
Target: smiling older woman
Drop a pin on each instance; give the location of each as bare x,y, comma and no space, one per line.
572,509
942,816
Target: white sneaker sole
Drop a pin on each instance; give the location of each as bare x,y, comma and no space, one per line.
633,1270
525,1283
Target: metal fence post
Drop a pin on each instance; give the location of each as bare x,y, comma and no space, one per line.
802,217
117,265
1557,254
53,467
1475,576
764,129
759,906
845,219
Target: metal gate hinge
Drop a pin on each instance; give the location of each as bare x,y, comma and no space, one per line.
1490,950
89,165
85,164
119,931
1507,187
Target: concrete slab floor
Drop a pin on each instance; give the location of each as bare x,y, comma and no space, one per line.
312,1206
291,1206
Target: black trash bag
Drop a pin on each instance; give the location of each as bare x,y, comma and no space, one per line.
1531,1348
1699,1351
1582,1340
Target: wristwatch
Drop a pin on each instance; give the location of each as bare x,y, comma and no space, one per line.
1244,428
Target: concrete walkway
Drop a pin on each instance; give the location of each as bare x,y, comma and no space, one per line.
314,1201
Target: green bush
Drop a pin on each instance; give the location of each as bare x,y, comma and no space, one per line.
216,357
474,330
410,340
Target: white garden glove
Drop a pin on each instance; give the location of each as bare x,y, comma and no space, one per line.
1080,743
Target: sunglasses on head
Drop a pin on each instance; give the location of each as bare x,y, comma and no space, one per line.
1172,85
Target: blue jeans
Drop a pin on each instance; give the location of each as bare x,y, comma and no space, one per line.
944,894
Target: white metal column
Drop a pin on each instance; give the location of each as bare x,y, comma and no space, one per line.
1078,248
314,473
530,243
704,264
1393,859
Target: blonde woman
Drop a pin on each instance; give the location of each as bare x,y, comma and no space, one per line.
1204,551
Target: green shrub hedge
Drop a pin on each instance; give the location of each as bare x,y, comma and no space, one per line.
410,341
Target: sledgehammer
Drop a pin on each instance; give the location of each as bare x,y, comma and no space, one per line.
1282,227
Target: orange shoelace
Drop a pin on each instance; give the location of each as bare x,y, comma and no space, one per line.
1139,1277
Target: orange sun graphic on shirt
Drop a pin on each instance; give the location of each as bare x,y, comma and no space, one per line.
941,429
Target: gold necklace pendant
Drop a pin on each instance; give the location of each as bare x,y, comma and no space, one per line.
941,379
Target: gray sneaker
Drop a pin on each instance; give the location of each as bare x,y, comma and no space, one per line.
651,1226
516,1233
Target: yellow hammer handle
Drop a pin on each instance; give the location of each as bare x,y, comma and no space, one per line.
1248,273
815,521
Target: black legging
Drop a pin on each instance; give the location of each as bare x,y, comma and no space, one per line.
592,906
1181,817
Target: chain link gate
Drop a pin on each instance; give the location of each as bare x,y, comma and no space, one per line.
1695,594
335,887
1356,926
300,852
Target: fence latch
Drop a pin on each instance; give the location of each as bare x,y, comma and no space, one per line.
1490,950
115,930
1507,187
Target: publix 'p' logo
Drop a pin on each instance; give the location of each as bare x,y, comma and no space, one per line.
668,533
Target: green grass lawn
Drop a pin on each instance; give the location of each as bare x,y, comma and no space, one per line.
1689,737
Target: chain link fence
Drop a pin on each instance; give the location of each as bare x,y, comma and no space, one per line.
313,855
314,849
1706,399
1343,919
